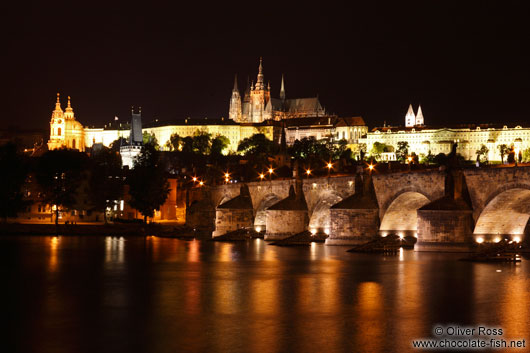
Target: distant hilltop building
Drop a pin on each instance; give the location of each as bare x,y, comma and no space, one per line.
429,140
257,104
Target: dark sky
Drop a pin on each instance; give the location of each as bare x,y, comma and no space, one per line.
464,61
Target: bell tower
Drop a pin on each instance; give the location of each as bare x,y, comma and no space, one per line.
57,127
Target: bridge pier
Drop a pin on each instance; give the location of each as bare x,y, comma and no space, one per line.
445,225
234,214
355,220
289,216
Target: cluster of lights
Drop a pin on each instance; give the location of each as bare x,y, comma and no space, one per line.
195,180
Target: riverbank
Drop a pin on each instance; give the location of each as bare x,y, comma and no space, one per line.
114,229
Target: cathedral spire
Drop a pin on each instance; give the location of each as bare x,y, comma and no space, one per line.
235,83
282,90
259,81
410,118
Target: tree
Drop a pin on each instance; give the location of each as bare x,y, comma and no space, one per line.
402,151
147,181
150,139
218,144
14,173
526,155
175,142
59,174
201,142
503,150
106,182
116,144
482,153
377,149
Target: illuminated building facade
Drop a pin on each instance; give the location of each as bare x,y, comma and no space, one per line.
423,140
257,104
65,131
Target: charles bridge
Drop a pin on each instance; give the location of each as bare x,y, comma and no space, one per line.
446,211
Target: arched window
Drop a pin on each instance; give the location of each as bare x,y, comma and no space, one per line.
73,143
59,132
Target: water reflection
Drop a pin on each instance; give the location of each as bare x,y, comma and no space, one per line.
54,244
370,316
114,247
115,294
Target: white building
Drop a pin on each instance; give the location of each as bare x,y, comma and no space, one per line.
470,138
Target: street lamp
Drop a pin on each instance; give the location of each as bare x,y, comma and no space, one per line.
308,172
201,183
370,168
261,176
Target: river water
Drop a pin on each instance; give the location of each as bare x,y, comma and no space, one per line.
135,294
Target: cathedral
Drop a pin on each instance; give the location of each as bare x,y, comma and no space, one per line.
257,104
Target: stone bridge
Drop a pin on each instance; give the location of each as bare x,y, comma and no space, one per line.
445,211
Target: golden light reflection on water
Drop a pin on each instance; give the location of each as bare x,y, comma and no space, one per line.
409,301
227,296
54,244
264,304
193,251
370,316
515,305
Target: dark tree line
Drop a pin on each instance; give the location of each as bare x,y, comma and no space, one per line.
69,179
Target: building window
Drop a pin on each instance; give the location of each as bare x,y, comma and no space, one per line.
73,143
59,131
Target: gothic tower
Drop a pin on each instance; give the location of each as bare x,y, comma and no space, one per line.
234,112
259,97
282,91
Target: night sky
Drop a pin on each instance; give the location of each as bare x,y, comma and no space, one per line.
464,61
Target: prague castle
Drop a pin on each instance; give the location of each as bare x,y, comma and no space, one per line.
257,104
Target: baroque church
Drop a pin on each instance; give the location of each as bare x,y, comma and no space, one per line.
65,131
257,104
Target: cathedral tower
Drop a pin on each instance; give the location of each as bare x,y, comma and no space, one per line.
234,112
259,97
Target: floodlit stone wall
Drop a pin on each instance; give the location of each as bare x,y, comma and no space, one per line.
284,223
439,228
227,220
353,226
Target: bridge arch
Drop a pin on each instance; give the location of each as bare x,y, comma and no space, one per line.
400,214
506,214
261,214
319,220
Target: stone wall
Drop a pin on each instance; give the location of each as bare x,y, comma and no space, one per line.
350,227
444,230
227,220
284,223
